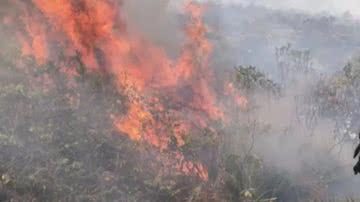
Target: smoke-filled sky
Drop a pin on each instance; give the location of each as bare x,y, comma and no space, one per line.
330,6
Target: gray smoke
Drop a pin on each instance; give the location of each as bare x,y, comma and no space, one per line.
251,34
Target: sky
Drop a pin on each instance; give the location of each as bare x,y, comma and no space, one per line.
335,7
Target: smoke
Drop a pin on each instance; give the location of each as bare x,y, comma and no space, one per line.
164,29
241,35
328,6
292,148
252,32
299,141
250,35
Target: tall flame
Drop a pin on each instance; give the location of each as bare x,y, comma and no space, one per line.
162,93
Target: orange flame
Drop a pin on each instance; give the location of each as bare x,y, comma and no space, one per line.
241,101
153,83
37,45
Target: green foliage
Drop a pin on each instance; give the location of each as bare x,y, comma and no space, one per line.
251,80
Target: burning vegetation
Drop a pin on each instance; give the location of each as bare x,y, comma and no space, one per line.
92,110
161,92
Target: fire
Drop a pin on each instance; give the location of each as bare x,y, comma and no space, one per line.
37,44
132,124
188,166
240,100
154,84
84,23
197,30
